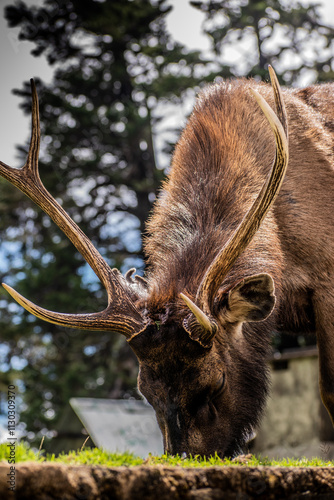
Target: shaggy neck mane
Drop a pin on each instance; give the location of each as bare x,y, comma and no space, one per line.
214,179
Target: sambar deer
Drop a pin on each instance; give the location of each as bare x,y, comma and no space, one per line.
226,264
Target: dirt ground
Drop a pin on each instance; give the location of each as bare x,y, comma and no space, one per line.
44,481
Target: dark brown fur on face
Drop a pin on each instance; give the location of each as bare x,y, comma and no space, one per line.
200,322
218,167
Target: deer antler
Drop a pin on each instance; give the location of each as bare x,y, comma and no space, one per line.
121,314
252,220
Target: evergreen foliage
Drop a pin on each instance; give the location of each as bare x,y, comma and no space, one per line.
289,35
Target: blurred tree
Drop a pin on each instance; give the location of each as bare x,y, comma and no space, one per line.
117,67
247,35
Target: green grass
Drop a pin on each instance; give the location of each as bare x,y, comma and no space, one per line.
22,452
96,456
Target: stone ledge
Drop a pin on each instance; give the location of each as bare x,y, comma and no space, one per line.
46,481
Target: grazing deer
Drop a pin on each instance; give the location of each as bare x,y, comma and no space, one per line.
234,252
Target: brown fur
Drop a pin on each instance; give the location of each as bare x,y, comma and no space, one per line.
219,166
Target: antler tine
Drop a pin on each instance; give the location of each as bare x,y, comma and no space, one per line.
279,103
252,220
111,319
121,314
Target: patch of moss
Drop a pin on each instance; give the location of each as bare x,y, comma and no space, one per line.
97,456
23,453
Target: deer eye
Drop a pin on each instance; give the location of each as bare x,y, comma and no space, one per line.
219,387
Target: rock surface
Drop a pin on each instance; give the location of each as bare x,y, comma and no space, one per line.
46,481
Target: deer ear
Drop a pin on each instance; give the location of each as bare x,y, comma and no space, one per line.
252,299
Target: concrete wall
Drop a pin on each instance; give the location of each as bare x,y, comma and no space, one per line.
295,420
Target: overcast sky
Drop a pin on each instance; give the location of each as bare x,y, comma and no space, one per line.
17,65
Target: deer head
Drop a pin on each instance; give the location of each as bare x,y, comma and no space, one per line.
189,371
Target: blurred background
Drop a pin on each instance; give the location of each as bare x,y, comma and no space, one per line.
116,81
